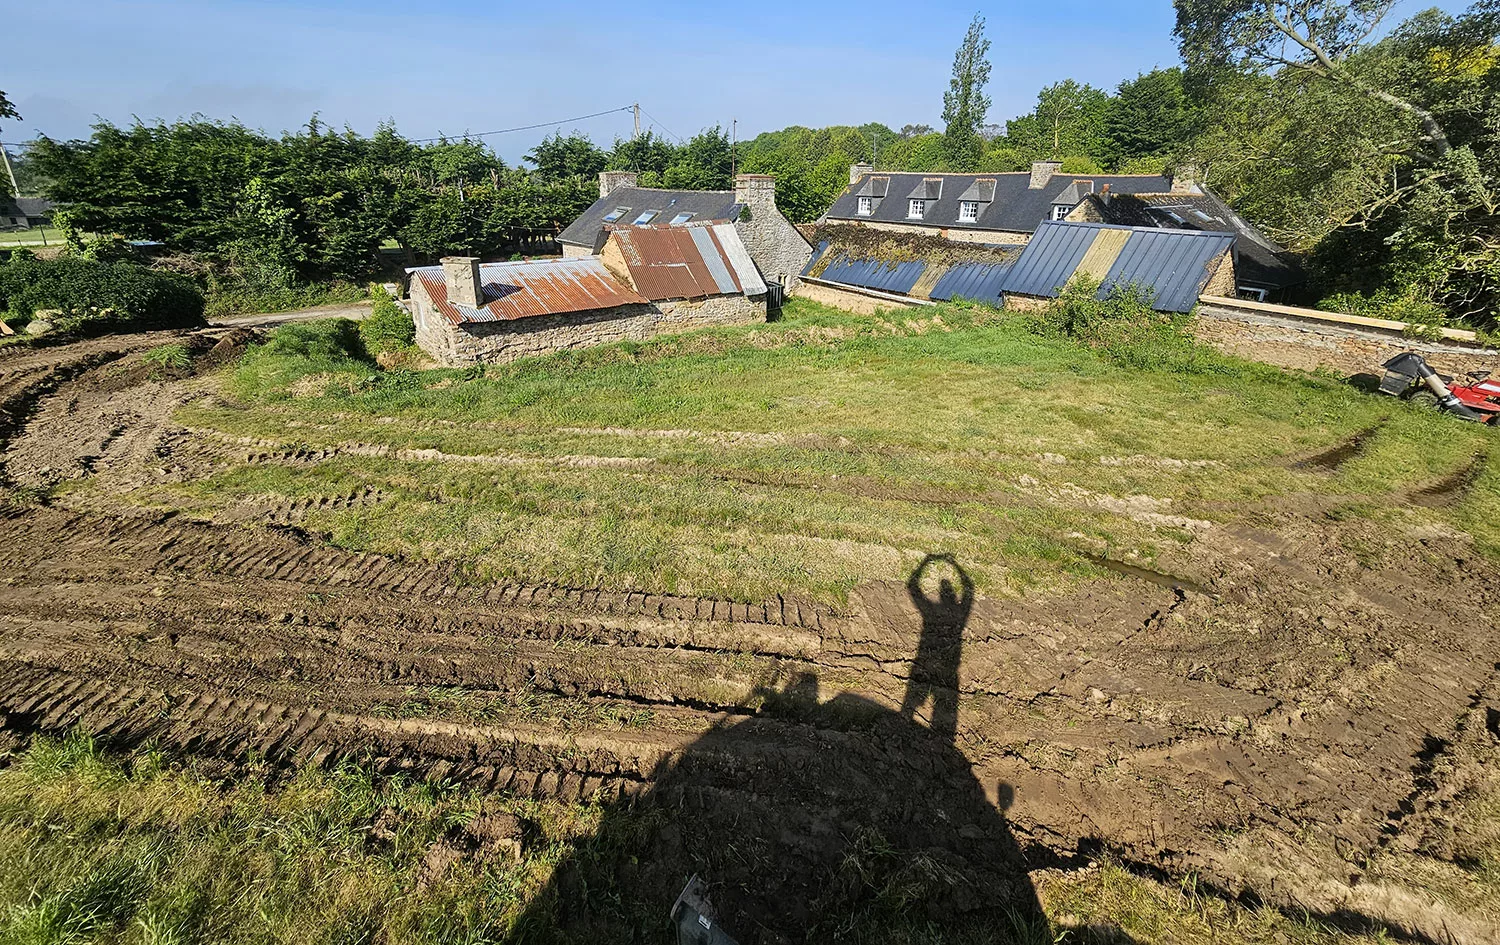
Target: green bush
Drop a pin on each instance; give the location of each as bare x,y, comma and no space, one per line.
1124,329
388,327
168,357
98,297
1399,307
299,349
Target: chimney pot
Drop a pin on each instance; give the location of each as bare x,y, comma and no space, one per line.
613,180
1042,172
461,277
856,171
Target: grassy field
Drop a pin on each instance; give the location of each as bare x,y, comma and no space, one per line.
36,236
148,850
809,455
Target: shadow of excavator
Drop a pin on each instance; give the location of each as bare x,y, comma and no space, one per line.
813,821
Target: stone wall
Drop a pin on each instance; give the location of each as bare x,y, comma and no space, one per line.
499,342
778,248
1307,345
569,251
848,299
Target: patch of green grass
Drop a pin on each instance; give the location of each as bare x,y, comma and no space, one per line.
814,454
149,851
168,357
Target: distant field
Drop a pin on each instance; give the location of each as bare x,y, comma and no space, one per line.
45,235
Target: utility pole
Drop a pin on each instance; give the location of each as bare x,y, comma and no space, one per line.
15,188
734,140
637,109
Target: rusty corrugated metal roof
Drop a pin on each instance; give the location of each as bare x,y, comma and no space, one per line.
678,262
515,290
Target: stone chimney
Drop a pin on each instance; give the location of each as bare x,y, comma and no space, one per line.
1185,180
612,180
856,171
1105,194
1042,172
461,275
756,191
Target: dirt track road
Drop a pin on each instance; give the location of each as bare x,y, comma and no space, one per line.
1301,701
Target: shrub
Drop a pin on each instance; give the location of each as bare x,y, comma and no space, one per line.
97,297
1125,329
388,327
1400,307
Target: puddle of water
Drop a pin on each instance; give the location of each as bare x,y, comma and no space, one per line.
1154,577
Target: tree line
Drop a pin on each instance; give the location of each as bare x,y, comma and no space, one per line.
1368,146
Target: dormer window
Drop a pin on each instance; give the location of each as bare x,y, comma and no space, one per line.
916,209
645,218
968,211
866,206
681,218
1061,211
615,214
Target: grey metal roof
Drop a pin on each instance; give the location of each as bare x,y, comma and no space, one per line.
1171,265
1015,208
1075,193
978,282
928,188
874,187
1259,261
704,205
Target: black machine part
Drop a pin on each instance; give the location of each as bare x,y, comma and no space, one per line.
1408,367
694,918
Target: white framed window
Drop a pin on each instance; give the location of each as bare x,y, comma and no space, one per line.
615,214
916,209
681,218
1060,211
968,211
866,206
645,218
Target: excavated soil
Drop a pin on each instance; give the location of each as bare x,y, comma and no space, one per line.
1264,690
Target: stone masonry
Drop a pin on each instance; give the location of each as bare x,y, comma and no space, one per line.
503,341
778,248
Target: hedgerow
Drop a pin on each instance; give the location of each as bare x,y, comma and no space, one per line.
94,297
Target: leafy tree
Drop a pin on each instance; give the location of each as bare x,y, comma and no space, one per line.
1150,115
916,131
704,163
7,110
648,152
965,105
558,158
1069,120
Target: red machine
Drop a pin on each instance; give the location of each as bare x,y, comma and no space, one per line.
1410,377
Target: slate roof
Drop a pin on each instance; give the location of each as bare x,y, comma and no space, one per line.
1259,261
515,290
687,262
27,206
588,229
1172,265
1015,207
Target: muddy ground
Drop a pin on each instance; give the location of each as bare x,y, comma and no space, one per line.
1266,711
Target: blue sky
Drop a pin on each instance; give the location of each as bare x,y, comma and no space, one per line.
451,67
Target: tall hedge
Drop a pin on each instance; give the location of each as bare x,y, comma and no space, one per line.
100,296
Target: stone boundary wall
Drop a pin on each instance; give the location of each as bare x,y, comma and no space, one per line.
1307,343
500,342
851,299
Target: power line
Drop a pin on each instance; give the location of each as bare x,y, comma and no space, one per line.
660,125
506,131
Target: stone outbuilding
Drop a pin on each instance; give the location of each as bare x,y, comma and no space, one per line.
778,250
647,281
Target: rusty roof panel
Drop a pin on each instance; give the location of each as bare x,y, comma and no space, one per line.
524,289
680,262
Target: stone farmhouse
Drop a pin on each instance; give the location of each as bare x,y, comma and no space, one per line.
779,251
645,281
996,209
